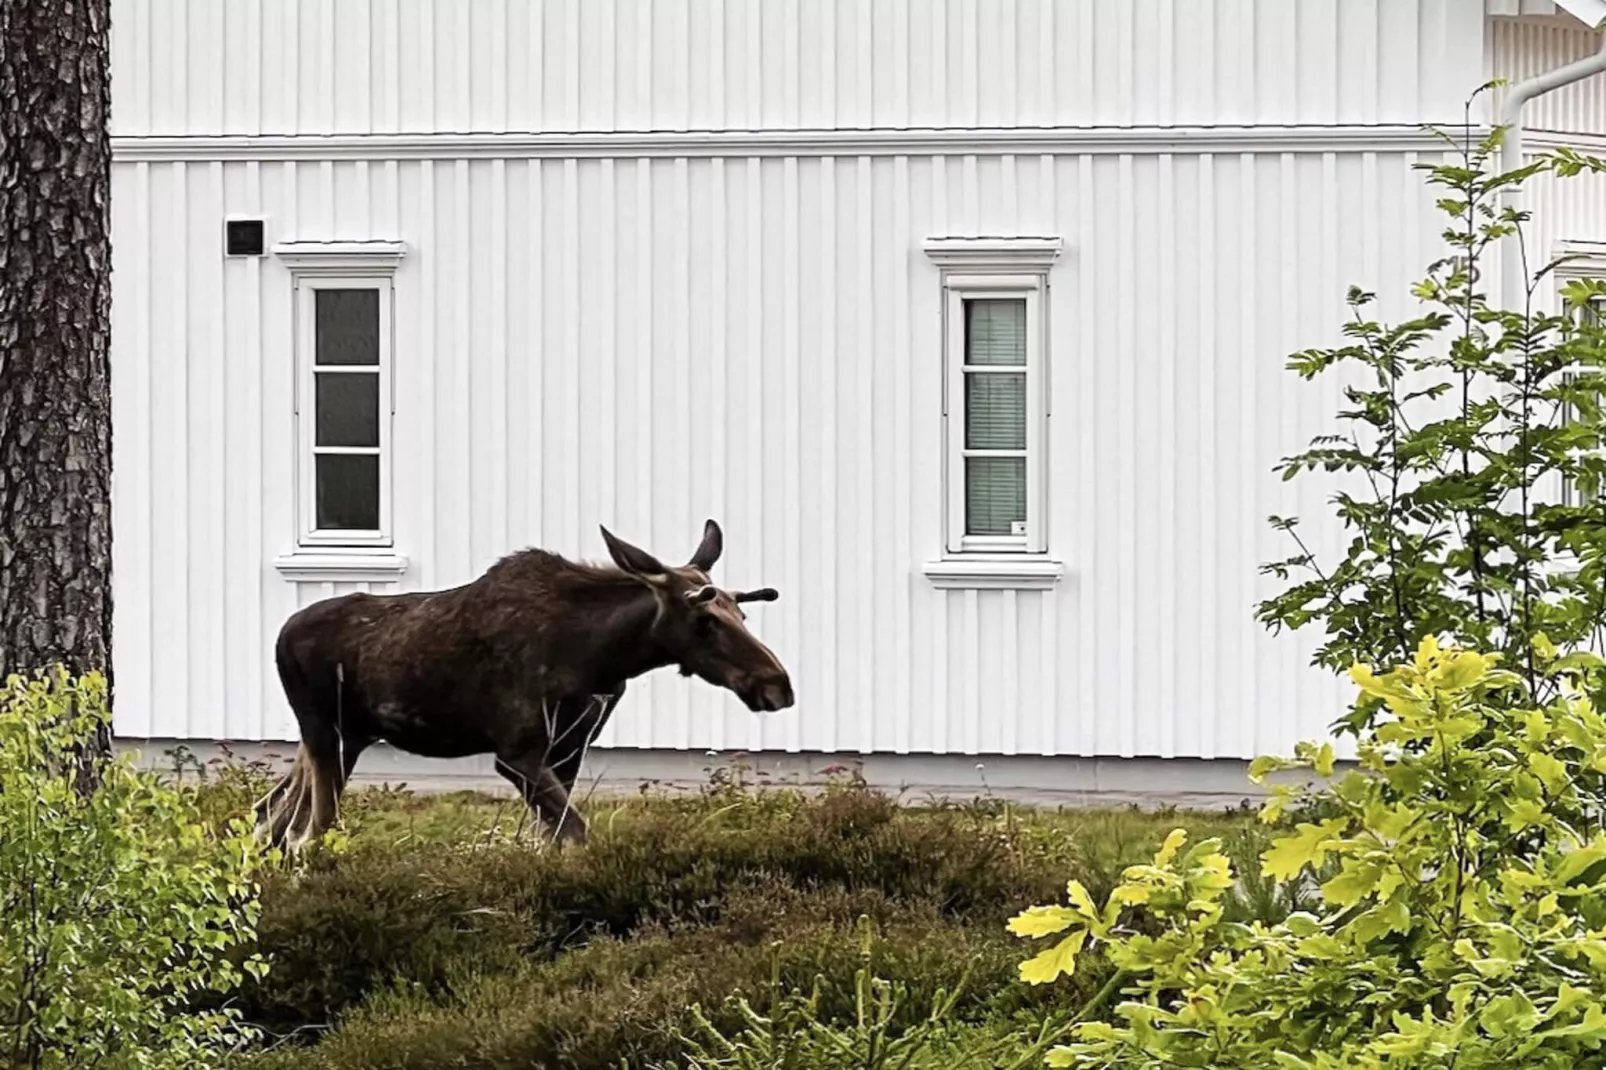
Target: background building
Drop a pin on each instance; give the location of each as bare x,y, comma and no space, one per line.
640,262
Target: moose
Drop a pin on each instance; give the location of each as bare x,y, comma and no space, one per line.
527,663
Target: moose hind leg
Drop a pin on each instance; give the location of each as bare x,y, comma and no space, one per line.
265,807
545,795
307,802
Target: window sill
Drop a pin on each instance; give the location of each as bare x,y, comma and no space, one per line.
994,572
340,566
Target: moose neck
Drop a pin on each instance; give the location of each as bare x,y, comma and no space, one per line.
623,641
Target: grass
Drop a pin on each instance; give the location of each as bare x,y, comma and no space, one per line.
446,934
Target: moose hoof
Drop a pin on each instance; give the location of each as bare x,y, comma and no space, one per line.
572,830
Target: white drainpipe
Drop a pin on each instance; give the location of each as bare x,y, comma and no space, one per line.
1513,282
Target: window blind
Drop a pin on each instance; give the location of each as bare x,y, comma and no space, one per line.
995,415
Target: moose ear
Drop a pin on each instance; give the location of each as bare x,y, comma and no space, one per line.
634,560
713,544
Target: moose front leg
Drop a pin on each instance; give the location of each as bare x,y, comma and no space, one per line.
580,721
545,795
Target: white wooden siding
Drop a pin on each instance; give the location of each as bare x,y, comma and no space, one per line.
606,316
646,342
1522,48
1570,209
361,66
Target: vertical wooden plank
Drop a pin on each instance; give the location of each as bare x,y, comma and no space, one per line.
819,400
133,606
903,444
170,441
792,462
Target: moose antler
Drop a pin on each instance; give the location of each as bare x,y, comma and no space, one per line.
708,592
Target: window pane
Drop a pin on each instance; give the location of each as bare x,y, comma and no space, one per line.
348,409
995,331
347,326
995,495
995,411
348,492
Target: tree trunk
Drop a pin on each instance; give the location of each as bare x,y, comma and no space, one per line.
55,327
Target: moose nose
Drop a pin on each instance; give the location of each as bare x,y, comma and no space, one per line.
776,694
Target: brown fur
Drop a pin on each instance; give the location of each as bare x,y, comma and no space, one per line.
527,662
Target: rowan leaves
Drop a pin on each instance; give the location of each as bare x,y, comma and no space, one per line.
1459,429
1460,864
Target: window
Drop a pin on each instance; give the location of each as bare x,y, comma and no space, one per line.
995,415
1592,315
1575,260
344,408
995,412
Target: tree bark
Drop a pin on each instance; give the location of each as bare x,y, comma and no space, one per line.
55,340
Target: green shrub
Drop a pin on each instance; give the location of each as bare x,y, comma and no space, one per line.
1464,917
441,938
118,910
626,1001
345,926
800,1031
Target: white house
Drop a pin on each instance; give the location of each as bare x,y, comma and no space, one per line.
641,262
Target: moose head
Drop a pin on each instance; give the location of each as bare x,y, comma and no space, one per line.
702,628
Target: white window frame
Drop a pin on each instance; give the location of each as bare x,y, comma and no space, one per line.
1588,262
308,451
331,554
957,290
1570,495
982,268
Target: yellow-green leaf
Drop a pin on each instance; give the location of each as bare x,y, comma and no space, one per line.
1082,901
1322,946
1536,727
1168,849
1288,855
1461,727
1366,680
1213,873
1426,652
1524,813
1273,807
1552,771
1574,863
1043,921
1388,822
1263,766
1324,760
1352,884
1567,997
1060,959
1460,671
1592,1025
1131,893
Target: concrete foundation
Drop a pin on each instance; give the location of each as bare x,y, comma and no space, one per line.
1150,783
